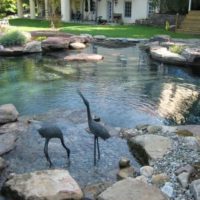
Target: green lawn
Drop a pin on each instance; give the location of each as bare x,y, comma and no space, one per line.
129,31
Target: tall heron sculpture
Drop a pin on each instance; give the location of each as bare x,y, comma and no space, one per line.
97,129
49,132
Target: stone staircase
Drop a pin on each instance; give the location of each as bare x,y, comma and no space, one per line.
191,23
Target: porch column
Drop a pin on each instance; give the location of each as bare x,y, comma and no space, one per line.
190,4
65,10
19,8
32,9
46,9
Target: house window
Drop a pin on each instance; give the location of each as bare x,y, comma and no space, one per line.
128,6
151,8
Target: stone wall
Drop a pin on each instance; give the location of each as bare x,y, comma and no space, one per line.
160,20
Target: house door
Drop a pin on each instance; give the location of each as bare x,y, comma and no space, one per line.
109,10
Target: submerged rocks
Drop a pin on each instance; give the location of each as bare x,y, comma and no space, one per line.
84,57
8,113
47,184
131,189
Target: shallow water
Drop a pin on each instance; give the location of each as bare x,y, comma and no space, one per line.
28,155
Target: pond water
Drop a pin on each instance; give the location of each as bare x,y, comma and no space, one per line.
125,89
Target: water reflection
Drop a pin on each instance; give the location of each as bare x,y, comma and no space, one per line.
125,89
177,101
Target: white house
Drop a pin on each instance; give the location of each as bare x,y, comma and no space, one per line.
125,10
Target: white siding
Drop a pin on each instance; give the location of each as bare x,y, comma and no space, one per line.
139,9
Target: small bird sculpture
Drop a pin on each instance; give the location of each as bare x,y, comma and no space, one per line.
96,128
49,132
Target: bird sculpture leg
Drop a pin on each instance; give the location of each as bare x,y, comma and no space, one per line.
95,138
98,148
46,152
67,149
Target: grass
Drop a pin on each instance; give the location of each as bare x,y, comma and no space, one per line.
129,31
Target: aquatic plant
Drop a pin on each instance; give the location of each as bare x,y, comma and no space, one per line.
176,49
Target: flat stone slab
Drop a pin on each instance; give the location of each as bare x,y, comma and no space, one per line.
84,57
47,184
131,189
155,146
7,143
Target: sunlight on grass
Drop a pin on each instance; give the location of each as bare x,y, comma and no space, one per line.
126,31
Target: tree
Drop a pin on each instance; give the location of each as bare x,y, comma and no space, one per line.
7,7
171,6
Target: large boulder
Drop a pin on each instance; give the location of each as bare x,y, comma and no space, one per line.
12,51
84,57
8,113
131,189
54,184
55,43
164,55
150,146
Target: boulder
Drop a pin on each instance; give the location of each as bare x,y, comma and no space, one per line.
84,57
54,184
191,54
81,39
183,179
164,55
3,164
131,189
33,47
55,43
125,172
8,113
12,51
77,45
160,38
168,190
159,179
146,171
7,142
124,162
149,146
195,188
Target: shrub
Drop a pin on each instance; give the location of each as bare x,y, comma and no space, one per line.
167,26
176,49
13,38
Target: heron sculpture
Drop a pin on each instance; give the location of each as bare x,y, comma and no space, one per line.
49,132
97,129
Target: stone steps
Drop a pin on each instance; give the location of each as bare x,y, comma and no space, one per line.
191,23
